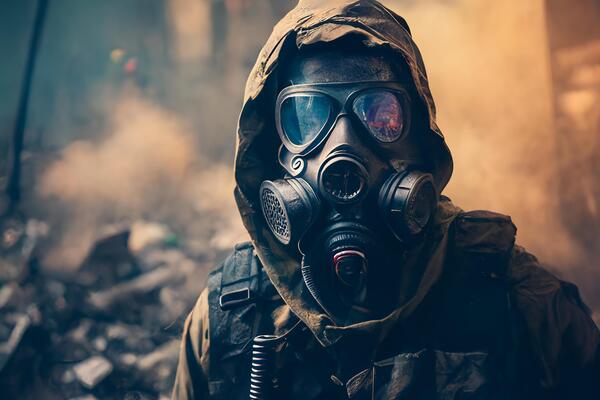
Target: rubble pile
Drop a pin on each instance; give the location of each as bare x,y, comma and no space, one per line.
108,331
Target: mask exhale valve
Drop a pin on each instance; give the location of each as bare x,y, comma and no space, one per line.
348,247
349,266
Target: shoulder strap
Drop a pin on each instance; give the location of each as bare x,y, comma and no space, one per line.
235,291
240,280
484,232
476,308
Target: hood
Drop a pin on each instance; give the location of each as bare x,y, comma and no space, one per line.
309,23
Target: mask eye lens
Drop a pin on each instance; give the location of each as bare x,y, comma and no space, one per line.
303,117
381,113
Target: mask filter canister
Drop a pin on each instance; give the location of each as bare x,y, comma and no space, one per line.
289,207
407,201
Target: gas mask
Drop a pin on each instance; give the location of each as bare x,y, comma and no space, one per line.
356,193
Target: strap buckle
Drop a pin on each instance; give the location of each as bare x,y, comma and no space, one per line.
235,298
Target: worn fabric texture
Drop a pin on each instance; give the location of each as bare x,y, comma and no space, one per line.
559,331
309,23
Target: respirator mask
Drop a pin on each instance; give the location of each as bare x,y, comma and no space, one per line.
356,193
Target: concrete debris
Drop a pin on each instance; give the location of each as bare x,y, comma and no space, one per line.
128,359
92,371
108,262
146,235
100,344
173,300
35,230
109,331
137,396
68,376
158,366
86,397
167,352
143,284
6,293
79,334
12,329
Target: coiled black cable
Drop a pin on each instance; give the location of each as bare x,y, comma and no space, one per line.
263,355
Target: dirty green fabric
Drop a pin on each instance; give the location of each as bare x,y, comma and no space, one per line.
557,326
564,339
192,370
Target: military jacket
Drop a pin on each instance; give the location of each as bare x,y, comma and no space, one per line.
469,339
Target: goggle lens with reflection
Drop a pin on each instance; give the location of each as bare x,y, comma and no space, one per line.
304,116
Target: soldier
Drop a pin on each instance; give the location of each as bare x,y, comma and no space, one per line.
362,281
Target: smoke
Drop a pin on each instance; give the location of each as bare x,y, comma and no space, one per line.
489,73
161,154
190,21
144,166
490,76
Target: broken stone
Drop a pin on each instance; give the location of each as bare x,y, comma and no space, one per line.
166,352
6,293
137,396
13,267
155,258
128,359
174,303
108,262
55,288
80,333
145,235
68,376
159,366
15,326
34,231
100,344
34,314
145,283
92,371
128,338
114,332
69,350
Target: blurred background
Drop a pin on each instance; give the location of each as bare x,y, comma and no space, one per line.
120,198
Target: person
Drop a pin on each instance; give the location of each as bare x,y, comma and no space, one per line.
362,281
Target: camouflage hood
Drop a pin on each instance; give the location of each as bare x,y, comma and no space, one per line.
256,156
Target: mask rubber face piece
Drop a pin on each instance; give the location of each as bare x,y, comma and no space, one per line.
354,195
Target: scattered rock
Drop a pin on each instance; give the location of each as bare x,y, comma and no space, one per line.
145,235
108,331
100,344
92,371
12,330
6,294
86,397
143,284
